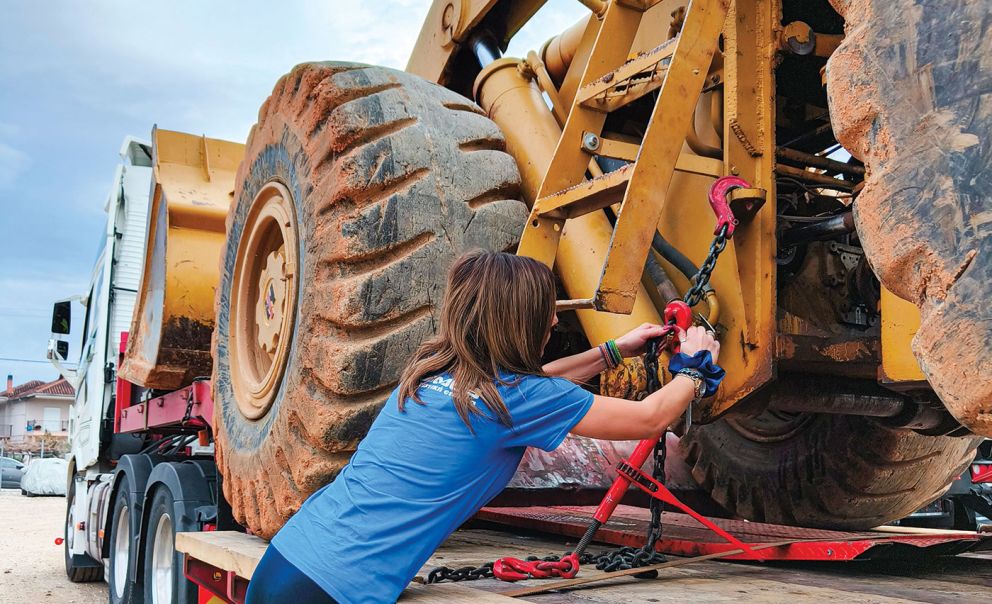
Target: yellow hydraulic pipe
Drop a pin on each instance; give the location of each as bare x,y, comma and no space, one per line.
558,52
515,103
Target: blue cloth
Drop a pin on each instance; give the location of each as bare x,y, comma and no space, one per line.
702,362
415,478
276,581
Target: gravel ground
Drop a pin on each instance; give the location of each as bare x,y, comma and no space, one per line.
32,567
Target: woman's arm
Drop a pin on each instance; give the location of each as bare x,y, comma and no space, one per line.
580,367
618,419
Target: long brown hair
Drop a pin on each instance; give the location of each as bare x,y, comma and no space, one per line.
496,314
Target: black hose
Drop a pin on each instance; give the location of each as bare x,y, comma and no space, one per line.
828,228
676,258
662,284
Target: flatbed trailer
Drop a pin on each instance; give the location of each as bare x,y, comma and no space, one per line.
886,565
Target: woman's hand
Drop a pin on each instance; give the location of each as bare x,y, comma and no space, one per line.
631,344
697,339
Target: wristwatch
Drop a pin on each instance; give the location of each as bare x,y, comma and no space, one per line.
698,384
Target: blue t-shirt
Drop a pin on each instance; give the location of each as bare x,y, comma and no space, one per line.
414,479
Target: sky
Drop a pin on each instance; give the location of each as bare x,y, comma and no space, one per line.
76,78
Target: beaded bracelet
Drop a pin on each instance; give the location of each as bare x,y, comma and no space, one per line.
611,354
605,355
617,356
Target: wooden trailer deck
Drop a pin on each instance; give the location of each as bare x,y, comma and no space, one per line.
961,578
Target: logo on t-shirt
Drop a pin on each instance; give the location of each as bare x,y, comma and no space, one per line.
445,386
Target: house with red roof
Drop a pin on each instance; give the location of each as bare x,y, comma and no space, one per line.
35,411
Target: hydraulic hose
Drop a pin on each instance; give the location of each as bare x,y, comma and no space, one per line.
677,259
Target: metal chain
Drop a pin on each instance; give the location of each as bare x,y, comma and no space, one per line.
465,573
622,558
702,278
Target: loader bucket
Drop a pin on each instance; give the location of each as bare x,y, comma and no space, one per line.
169,343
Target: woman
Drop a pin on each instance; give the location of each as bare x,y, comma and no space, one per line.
453,432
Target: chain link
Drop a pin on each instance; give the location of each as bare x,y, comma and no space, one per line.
465,573
702,278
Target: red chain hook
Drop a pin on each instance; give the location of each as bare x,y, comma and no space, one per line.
721,207
677,315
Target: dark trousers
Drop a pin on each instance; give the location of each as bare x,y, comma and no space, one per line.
277,581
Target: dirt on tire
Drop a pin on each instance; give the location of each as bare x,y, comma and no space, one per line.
910,93
819,470
392,177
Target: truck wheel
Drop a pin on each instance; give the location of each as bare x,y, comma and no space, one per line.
359,187
122,551
164,581
909,97
77,573
819,470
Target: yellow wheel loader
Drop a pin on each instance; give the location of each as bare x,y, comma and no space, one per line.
851,301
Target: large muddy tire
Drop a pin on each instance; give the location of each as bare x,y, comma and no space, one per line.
910,92
819,470
359,187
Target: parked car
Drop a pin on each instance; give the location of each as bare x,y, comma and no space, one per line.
11,471
45,477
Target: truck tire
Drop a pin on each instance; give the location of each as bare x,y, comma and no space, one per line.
80,568
123,544
164,581
909,96
359,187
820,470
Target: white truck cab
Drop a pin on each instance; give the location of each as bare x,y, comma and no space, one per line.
106,313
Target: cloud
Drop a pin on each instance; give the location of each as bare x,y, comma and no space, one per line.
76,80
25,317
13,163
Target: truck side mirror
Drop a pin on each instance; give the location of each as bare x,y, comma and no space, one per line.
62,318
58,350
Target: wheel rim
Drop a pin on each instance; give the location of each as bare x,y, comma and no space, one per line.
770,426
163,556
122,550
263,300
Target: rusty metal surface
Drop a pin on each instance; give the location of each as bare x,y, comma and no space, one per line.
832,355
